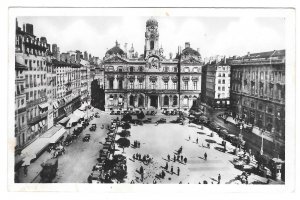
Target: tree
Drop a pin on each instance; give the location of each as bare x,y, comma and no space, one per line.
141,115
126,126
124,133
127,117
123,143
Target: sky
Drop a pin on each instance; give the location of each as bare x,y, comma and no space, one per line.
212,35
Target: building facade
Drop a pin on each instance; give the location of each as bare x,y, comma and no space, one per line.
34,51
67,88
151,79
217,84
258,90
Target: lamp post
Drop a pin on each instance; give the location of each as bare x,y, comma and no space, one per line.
262,142
241,135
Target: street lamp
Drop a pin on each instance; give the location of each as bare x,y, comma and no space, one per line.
241,135
262,142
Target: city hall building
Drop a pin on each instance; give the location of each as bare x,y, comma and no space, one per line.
151,79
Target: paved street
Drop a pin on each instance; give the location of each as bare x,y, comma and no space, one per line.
76,165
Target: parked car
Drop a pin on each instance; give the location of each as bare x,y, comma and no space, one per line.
162,120
86,138
214,126
93,127
223,133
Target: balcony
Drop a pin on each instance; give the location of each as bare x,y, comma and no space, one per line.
21,110
37,101
37,118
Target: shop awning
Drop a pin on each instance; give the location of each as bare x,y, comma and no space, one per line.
32,150
43,105
73,118
64,120
55,105
57,135
79,113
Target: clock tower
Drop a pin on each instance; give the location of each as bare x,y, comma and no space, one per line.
151,38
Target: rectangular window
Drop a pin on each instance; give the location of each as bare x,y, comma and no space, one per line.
175,85
27,96
223,88
195,85
166,86
186,83
131,85
153,84
219,81
141,85
219,88
111,84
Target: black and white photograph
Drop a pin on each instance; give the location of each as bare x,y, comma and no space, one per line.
151,96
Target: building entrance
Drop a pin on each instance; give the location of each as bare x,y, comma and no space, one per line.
153,101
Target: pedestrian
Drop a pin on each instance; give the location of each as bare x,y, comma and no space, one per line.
167,166
141,170
133,156
25,170
163,174
90,178
181,158
185,160
156,123
168,157
154,181
171,169
205,156
219,178
178,171
174,158
197,140
189,137
132,182
178,157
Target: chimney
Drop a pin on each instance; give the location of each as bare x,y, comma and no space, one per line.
29,28
187,44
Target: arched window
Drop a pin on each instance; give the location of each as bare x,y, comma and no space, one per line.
175,100
151,45
195,69
131,100
141,101
185,100
120,69
131,69
166,100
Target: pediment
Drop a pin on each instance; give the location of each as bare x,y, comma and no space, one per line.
115,59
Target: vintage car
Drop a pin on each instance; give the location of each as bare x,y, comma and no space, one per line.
86,138
162,120
93,127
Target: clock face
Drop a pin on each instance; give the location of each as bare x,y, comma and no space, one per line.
153,62
152,36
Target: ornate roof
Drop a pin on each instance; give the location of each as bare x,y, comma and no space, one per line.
190,51
115,50
151,22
